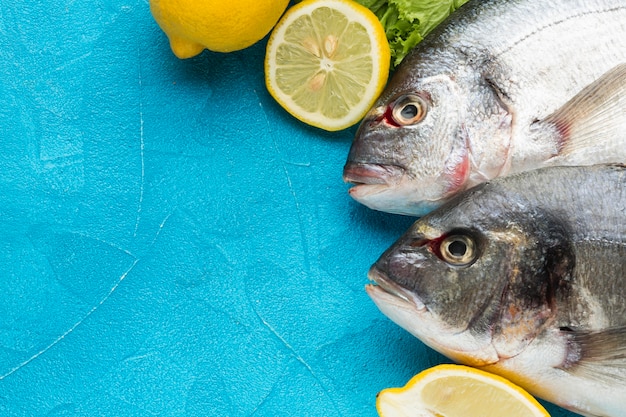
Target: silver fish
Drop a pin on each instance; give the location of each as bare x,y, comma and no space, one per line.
523,276
502,86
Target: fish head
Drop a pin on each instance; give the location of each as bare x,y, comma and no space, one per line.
410,151
472,282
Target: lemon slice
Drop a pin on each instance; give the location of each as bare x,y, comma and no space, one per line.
458,391
327,61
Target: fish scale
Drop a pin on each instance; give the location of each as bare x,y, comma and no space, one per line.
506,86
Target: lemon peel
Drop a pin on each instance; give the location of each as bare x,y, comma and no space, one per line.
458,391
217,25
327,61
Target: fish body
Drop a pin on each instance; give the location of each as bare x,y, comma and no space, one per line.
524,276
501,86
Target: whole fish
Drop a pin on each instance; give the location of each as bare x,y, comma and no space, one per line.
524,276
501,86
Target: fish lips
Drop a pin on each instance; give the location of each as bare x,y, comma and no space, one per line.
386,188
369,178
384,290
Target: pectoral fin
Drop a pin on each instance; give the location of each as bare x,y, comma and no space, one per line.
591,127
599,355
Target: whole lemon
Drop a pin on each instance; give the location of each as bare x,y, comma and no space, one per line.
217,25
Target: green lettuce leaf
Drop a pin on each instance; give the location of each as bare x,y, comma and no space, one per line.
406,22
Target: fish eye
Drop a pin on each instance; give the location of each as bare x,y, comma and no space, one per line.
409,110
458,250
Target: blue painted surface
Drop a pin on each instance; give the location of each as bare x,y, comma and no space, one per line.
173,243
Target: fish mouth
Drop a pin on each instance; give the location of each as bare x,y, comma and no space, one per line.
371,179
372,174
384,289
387,187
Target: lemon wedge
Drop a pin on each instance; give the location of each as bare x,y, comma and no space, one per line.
327,61
458,391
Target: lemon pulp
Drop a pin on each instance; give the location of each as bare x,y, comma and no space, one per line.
458,391
327,61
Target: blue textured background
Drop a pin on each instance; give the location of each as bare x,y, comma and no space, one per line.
173,243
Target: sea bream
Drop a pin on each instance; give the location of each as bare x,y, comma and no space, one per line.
501,86
523,276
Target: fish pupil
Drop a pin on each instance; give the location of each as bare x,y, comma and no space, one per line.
457,248
409,111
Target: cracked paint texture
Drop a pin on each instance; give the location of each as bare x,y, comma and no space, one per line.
173,243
